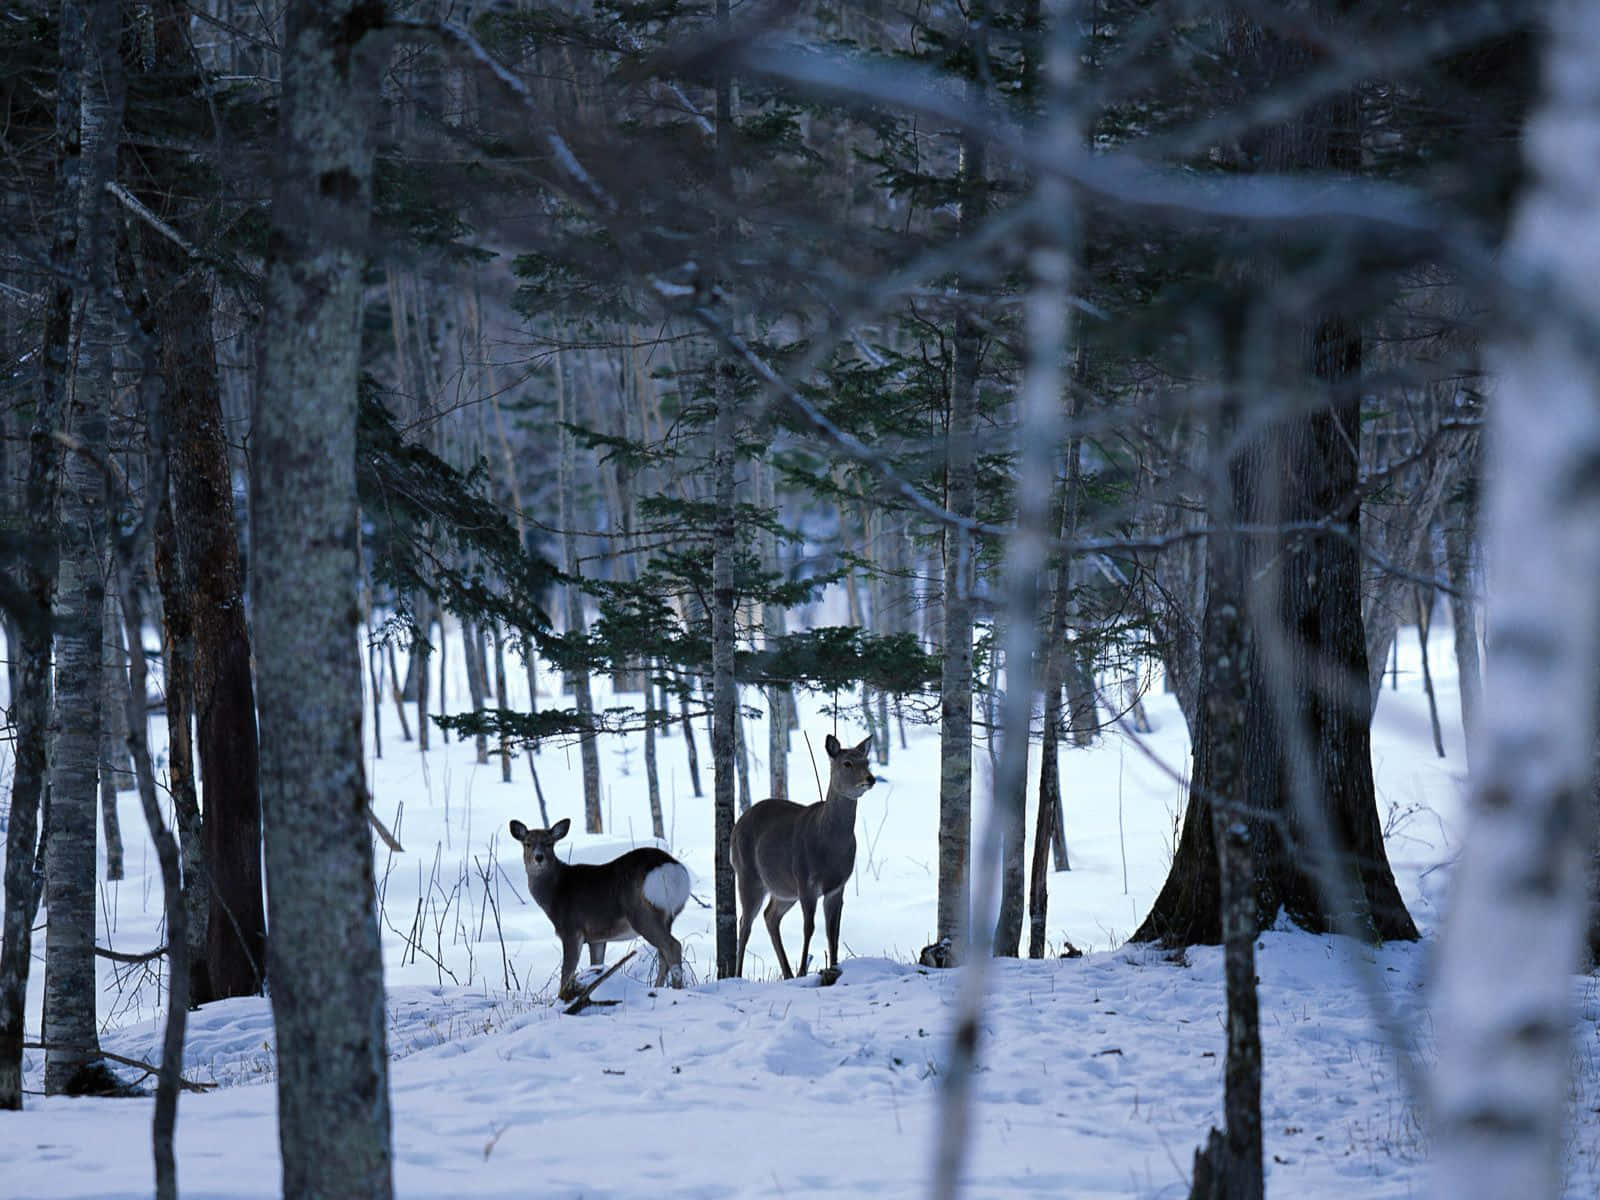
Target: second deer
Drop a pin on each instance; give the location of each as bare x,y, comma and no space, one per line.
798,853
639,894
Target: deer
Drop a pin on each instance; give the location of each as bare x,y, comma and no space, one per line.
801,853
638,894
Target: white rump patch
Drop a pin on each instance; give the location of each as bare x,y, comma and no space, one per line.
667,887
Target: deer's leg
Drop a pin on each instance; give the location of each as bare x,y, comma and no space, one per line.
597,953
656,929
832,907
569,966
751,893
773,914
808,917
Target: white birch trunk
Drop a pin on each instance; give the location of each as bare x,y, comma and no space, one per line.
1037,436
1502,1083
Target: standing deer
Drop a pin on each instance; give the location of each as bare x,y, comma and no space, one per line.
799,852
636,895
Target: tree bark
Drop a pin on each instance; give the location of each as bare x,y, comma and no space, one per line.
1307,736
31,700
178,661
324,958
72,1063
652,776
724,691
955,678
1502,1086
578,677
1459,534
1222,774
179,314
113,731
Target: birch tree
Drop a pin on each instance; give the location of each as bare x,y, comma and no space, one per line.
1501,1087
72,1055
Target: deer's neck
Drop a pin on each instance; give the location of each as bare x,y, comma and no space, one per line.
546,885
838,811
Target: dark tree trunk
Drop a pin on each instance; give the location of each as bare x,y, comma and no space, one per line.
178,659
421,652
652,715
114,761
1307,737
501,697
175,308
31,699
224,690
689,748
1459,535
325,962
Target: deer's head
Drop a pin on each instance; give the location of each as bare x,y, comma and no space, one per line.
538,846
851,773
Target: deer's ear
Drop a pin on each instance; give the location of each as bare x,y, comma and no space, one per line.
519,830
865,742
559,829
831,745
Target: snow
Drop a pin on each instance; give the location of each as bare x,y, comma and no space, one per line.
1099,1075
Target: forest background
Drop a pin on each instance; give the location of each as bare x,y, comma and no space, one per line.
1077,343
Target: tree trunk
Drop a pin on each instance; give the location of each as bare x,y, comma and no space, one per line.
136,722
501,697
1036,447
72,1058
1307,735
1235,1159
774,624
31,699
652,777
724,696
1459,534
577,677
224,689
421,653
689,748
177,311
955,679
1424,602
477,680
397,690
324,964
113,731
1502,1086
178,661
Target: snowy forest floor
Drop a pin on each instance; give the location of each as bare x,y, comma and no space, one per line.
1099,1075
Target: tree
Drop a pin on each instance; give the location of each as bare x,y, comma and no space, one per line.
1316,845
324,961
72,1056
1522,891
206,579
32,701
955,683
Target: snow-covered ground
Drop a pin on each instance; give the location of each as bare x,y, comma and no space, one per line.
1099,1075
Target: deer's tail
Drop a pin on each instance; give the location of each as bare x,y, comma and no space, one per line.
667,887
